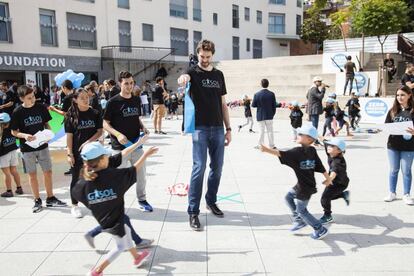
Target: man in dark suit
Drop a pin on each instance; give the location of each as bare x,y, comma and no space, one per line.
265,102
315,96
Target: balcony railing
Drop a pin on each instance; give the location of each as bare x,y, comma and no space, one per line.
137,53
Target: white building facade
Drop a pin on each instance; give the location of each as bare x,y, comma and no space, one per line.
39,38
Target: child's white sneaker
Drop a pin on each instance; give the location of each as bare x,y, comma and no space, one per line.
390,197
76,212
408,200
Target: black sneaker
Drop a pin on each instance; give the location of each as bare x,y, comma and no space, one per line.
37,206
7,194
195,223
162,132
19,191
68,172
54,202
213,208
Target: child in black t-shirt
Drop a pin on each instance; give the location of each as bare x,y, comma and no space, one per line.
305,162
353,110
329,116
340,118
83,125
8,156
102,190
335,149
246,102
295,118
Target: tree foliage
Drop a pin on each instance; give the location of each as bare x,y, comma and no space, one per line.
314,30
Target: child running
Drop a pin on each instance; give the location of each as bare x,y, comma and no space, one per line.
102,190
295,118
329,116
335,150
340,118
8,157
83,125
305,162
114,162
246,102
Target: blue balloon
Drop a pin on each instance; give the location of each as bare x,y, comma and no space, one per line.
72,77
77,83
81,76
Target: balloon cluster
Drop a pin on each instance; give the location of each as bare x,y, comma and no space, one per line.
76,79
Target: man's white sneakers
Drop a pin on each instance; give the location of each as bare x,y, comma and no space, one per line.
390,197
408,200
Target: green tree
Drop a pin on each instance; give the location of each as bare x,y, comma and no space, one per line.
338,20
379,18
314,30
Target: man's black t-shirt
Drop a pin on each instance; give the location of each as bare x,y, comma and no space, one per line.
157,95
296,118
337,165
407,78
305,162
30,121
105,197
8,142
400,142
123,115
8,96
88,124
353,104
114,91
349,68
115,160
207,88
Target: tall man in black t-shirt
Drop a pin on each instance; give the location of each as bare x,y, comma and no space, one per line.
207,92
349,74
122,121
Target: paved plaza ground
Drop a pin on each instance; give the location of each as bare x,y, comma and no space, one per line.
370,237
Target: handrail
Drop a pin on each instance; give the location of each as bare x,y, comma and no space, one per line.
405,46
154,63
134,52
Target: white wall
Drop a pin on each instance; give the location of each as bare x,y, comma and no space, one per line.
26,30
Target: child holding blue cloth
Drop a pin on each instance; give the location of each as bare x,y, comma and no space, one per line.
305,161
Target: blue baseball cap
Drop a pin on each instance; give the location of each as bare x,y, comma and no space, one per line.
308,130
332,95
330,100
295,103
337,142
94,150
4,117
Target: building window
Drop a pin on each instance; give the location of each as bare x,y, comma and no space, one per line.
259,17
277,2
247,44
276,23
197,10
247,14
196,39
298,24
81,31
179,41
48,34
178,8
124,4
257,48
235,16
124,30
147,32
215,19
5,23
299,3
236,47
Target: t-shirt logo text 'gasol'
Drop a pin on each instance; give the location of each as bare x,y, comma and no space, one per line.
33,120
307,165
98,196
130,111
207,83
9,141
84,124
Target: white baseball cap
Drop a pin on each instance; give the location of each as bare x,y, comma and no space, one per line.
317,78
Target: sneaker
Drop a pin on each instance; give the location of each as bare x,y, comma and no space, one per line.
94,273
408,200
19,191
145,243
7,194
251,131
215,210
145,206
142,258
346,197
326,219
319,234
297,226
162,132
37,206
156,132
68,172
54,202
240,127
76,212
390,197
90,240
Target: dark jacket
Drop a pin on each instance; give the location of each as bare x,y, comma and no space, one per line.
315,101
265,101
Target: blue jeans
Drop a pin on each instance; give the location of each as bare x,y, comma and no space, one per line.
299,210
403,159
135,237
211,139
314,120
